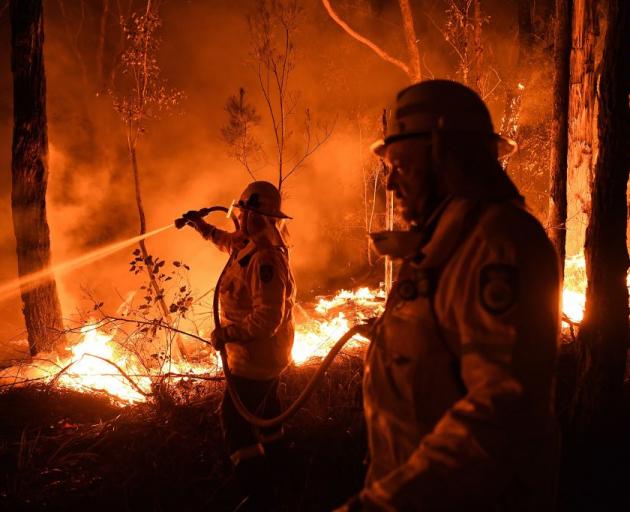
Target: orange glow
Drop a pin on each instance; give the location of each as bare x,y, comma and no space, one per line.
97,362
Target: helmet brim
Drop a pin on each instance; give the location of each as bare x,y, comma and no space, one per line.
275,215
505,146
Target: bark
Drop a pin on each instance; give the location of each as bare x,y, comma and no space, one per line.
411,39
582,120
29,167
604,332
559,130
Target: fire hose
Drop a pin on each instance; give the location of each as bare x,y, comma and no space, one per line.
312,383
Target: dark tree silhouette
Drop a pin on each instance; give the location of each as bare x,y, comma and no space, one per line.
29,168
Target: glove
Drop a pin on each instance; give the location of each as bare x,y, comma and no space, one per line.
191,217
365,329
219,338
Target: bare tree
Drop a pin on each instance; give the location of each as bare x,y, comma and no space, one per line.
143,96
29,169
413,71
237,133
411,67
272,28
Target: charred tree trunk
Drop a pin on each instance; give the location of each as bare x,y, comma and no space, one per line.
604,332
595,437
582,120
29,168
559,130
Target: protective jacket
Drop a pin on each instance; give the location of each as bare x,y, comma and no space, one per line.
256,298
458,378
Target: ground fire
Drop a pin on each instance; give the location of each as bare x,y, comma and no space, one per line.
343,135
98,364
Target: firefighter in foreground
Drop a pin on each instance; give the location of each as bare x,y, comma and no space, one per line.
256,298
459,373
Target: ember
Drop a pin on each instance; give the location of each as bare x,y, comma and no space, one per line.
98,363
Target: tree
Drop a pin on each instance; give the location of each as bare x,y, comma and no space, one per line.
604,332
558,160
237,133
29,168
144,96
413,71
582,148
272,28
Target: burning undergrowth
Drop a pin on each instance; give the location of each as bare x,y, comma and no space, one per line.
82,450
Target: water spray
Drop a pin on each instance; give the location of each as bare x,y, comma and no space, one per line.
31,281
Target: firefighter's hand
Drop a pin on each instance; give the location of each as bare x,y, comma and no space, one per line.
219,338
190,218
365,328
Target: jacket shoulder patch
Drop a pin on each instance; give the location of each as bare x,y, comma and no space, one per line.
498,287
266,273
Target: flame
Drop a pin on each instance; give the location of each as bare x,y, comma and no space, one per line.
574,292
98,363
332,318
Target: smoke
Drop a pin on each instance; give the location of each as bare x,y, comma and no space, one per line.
183,163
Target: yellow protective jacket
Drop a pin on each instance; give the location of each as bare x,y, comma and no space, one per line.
459,373
256,299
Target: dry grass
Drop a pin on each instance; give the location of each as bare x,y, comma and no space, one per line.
62,450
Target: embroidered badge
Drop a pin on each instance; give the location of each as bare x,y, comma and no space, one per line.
498,288
266,273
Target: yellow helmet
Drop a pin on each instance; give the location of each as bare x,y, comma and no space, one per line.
262,197
439,106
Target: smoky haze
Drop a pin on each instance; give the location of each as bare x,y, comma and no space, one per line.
205,53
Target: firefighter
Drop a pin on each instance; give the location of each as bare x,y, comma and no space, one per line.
257,295
459,373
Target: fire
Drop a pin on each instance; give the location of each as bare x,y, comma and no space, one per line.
90,371
100,363
332,318
574,292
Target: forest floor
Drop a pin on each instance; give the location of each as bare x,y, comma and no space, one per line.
63,450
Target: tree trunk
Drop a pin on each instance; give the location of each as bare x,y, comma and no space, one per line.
415,74
559,126
604,332
179,344
389,219
585,58
29,167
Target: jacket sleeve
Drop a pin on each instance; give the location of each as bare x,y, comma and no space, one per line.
222,239
506,314
267,275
